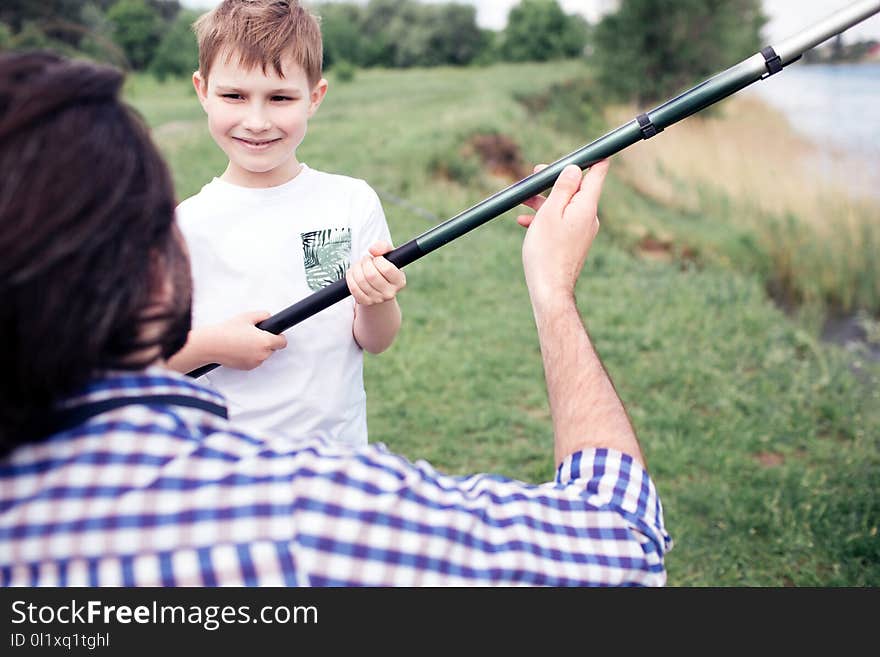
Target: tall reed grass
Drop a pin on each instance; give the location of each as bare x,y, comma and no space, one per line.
816,238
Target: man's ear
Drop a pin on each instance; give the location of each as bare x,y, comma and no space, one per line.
161,282
316,96
162,270
201,86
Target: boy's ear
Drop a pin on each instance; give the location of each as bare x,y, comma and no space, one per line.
317,95
201,86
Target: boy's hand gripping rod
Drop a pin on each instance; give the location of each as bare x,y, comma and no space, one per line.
761,65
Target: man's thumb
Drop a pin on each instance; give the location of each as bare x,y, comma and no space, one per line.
566,186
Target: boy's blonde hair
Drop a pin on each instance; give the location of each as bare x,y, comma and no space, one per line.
259,33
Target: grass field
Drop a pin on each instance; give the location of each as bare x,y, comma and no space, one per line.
763,441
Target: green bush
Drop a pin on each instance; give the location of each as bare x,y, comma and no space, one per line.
401,34
32,37
571,107
650,50
178,53
5,37
137,28
344,71
538,30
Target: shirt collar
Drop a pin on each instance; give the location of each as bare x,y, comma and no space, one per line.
155,380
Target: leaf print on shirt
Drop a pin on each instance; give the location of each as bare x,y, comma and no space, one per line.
326,254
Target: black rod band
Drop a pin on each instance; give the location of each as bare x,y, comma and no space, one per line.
647,126
772,61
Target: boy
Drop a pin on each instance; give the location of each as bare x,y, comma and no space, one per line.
270,231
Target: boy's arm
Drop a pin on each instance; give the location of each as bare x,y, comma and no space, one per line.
374,283
194,353
236,343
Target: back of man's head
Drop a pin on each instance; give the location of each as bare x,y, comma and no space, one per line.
86,214
260,33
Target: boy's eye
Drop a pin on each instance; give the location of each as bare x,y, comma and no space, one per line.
281,98
232,96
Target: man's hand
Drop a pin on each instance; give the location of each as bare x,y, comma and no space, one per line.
239,344
374,279
586,410
559,236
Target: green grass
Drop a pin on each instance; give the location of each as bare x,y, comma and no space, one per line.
762,440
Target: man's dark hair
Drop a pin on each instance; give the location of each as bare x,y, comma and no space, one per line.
86,231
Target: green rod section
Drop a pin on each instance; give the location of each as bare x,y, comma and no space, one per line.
691,101
500,202
703,95
699,97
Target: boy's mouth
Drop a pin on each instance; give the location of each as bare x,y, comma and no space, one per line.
256,144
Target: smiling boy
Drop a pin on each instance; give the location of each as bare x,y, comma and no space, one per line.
271,230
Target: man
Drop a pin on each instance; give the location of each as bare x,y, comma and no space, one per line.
118,471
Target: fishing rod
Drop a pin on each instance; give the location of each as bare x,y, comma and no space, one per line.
767,62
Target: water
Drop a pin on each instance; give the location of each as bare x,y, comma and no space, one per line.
837,107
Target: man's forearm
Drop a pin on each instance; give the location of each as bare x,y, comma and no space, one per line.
586,409
376,326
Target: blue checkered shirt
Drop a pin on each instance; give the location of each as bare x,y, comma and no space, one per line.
166,492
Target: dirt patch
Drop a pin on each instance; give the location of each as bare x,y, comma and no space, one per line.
770,459
500,154
650,247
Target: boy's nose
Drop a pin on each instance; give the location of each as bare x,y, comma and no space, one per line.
256,121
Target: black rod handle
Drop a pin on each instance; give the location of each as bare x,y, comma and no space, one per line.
318,301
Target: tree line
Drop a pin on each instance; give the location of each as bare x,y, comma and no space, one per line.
138,35
645,50
156,35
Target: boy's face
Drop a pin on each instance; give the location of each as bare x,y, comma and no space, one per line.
258,119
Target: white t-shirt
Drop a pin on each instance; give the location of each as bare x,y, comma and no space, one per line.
265,249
